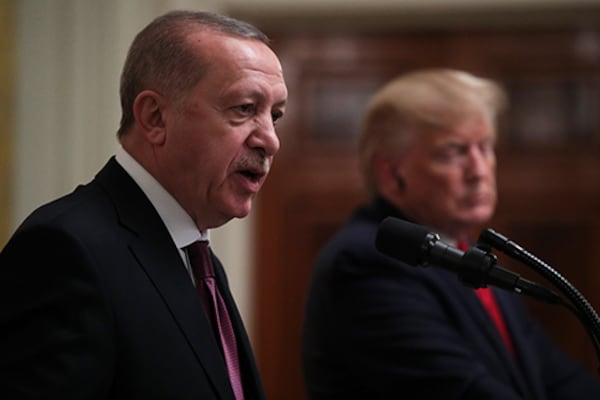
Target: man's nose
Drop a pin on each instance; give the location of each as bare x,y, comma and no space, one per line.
479,162
264,136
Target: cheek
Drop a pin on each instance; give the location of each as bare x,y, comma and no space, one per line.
443,179
428,191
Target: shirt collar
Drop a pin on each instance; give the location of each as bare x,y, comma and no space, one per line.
180,225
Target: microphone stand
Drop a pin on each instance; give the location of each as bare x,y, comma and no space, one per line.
579,305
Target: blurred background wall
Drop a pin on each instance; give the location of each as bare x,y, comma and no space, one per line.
60,62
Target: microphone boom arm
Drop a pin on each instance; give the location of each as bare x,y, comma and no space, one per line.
579,304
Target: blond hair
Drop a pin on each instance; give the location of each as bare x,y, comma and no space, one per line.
420,102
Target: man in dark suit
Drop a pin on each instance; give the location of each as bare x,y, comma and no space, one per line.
377,328
97,295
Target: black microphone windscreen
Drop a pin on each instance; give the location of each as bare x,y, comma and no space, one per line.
401,239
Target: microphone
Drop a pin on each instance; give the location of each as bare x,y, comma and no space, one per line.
417,246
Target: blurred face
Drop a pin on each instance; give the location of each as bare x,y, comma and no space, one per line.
220,141
449,178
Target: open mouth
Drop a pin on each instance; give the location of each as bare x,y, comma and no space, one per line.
253,176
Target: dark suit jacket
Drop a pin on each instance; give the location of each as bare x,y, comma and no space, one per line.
376,328
95,303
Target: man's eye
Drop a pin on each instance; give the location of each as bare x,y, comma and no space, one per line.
452,151
276,116
451,154
245,108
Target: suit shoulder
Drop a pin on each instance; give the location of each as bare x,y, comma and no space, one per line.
76,213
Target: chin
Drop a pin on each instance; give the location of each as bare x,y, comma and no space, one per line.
241,210
482,217
235,205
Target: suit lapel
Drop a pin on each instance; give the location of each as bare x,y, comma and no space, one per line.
158,256
487,326
510,365
525,381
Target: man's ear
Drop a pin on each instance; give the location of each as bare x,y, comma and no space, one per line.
148,109
388,179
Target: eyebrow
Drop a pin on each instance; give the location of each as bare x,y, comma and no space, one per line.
281,103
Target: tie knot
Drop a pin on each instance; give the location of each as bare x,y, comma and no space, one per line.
200,259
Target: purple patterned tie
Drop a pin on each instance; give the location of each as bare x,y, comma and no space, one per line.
214,305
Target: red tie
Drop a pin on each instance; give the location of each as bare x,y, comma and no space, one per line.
216,309
488,300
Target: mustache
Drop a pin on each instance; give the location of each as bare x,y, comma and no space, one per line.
254,161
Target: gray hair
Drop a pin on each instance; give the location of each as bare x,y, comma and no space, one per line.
420,102
160,57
